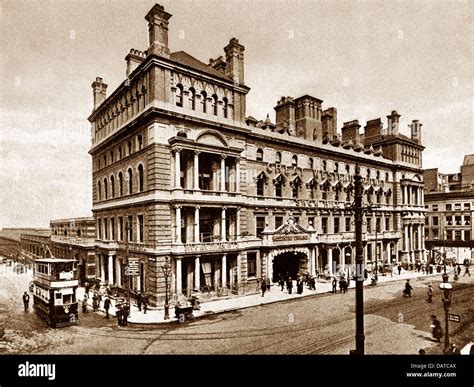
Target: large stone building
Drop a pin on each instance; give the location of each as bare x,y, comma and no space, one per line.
449,201
182,175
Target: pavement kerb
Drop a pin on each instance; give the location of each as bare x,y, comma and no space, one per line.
325,294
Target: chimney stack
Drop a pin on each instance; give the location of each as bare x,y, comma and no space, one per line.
99,92
350,130
234,58
373,128
158,31
134,58
329,122
285,114
393,121
415,127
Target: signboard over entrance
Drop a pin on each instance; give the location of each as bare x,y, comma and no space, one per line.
290,237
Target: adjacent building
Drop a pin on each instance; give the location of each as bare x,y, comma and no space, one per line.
449,202
182,176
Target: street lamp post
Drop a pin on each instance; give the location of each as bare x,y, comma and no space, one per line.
447,291
167,273
127,268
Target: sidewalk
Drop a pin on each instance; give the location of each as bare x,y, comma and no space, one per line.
156,316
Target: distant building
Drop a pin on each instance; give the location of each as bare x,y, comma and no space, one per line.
182,175
35,244
449,201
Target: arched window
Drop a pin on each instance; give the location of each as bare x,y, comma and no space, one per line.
78,233
377,174
105,160
336,167
120,184
129,147
140,178
111,156
179,95
348,168
214,104
112,186
325,165
225,107
278,189
259,154
130,181
386,176
368,173
278,158
311,163
120,152
99,190
139,142
295,190
260,187
105,188
203,102
192,98
294,161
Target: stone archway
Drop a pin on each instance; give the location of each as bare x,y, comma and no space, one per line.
291,262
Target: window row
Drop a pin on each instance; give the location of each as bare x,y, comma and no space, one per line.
123,150
449,207
336,167
201,99
122,228
457,235
109,188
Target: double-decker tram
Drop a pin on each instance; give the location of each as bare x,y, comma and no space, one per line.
54,291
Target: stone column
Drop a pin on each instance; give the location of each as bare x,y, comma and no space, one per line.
237,223
342,254
223,225
178,224
222,172
405,195
179,277
405,238
312,260
196,170
329,250
239,272
177,167
197,273
118,273
102,267
389,253
224,271
110,264
196,225
237,175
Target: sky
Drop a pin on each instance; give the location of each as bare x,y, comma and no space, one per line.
366,58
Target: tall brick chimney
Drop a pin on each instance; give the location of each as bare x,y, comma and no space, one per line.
415,127
373,128
133,58
329,122
158,31
99,89
234,58
308,117
285,114
392,122
350,130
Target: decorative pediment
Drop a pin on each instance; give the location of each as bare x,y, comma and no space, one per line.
280,178
311,183
296,181
290,227
262,176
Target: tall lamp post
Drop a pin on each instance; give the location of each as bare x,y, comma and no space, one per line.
167,273
127,267
447,292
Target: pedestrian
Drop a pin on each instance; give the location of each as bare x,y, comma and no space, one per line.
268,284
312,283
436,328
467,272
139,301
430,293
87,287
145,303
125,313
263,287
281,281
84,303
334,284
399,268
408,288
119,314
289,285
299,287
94,302
459,269
26,301
107,303
366,274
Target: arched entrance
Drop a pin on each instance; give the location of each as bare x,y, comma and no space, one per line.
289,264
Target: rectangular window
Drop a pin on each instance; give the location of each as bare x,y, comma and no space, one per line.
99,228
311,221
458,236
449,220
457,206
112,228
140,228
369,225
278,190
324,225
467,220
467,235
427,221
106,229
457,220
378,222
120,229
435,207
435,221
260,226
278,221
467,206
348,224
449,235
449,207
387,224
336,225
251,264
130,228
435,233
